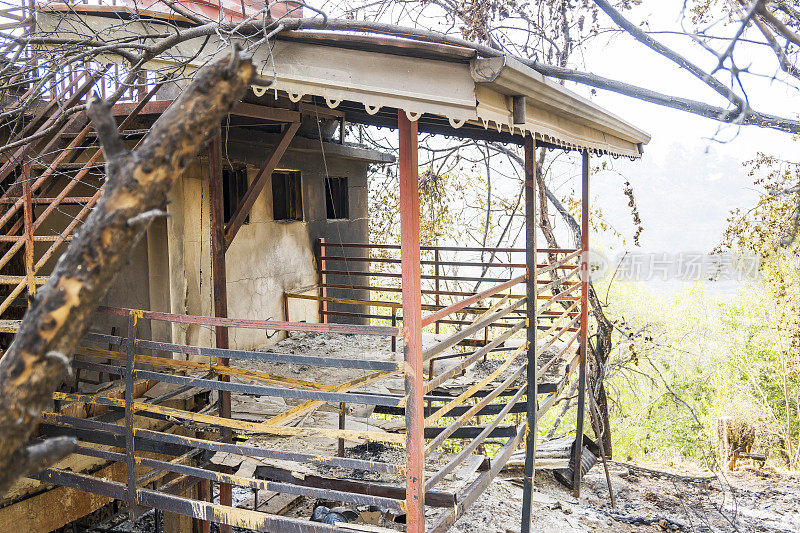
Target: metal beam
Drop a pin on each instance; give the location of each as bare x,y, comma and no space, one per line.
276,392
224,515
299,489
219,282
469,495
412,323
433,498
55,508
237,219
472,445
355,329
491,409
241,109
530,259
276,114
584,320
130,459
156,107
273,357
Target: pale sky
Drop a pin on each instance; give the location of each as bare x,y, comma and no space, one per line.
691,175
686,183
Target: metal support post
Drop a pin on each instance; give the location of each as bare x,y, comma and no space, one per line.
412,323
130,459
220,287
530,306
584,331
30,271
323,280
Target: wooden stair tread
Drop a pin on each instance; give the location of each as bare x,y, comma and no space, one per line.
123,133
66,166
9,326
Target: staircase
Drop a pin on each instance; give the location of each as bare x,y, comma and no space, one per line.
48,186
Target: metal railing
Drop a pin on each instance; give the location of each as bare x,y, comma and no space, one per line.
491,399
459,306
45,182
123,356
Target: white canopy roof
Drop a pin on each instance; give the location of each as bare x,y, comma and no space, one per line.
380,72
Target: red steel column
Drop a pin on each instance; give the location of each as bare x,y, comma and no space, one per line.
322,265
204,495
220,287
412,323
30,271
584,319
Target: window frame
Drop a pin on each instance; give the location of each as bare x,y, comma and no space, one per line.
288,202
343,188
236,178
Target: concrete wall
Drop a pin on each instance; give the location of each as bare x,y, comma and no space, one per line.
189,255
131,287
267,257
170,269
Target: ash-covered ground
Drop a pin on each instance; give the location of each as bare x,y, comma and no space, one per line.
659,498
650,498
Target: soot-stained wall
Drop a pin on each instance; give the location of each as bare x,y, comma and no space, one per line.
267,257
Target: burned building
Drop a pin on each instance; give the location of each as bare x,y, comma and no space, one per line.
179,387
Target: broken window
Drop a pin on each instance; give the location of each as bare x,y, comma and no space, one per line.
234,186
287,196
336,199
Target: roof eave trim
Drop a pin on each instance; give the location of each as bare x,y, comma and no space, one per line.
507,75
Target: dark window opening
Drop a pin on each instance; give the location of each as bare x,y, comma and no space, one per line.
287,196
234,187
336,198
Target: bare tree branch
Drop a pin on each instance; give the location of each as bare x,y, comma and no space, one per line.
670,54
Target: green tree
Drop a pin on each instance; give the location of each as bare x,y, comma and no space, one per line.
765,359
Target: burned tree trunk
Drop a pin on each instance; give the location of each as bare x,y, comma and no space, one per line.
135,193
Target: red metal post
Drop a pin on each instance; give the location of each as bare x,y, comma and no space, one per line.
30,271
342,422
203,495
220,287
412,323
394,323
141,86
530,306
323,280
584,318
